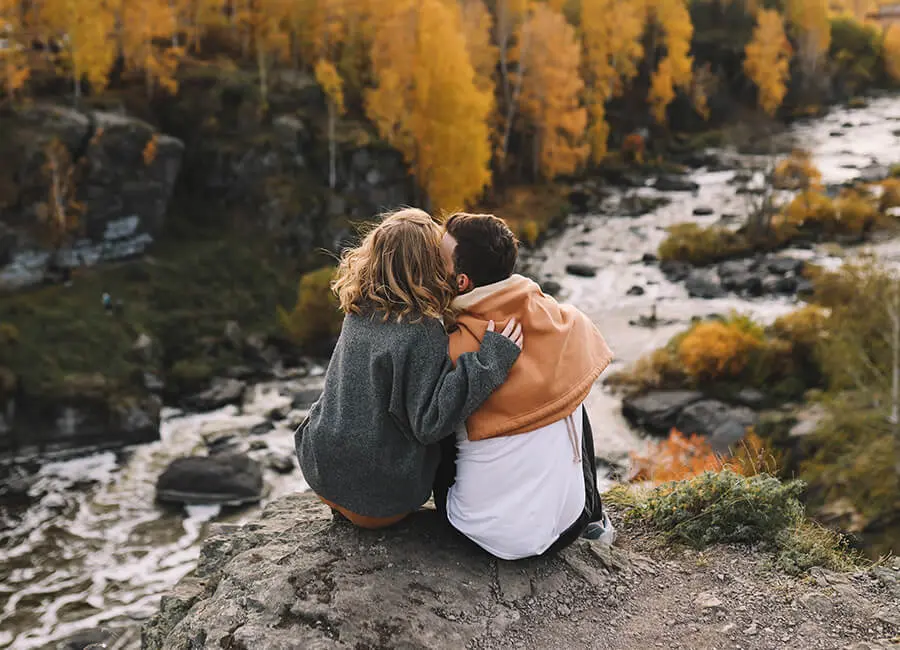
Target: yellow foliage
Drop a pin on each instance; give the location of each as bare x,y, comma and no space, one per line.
681,456
14,69
892,52
812,28
477,24
714,350
551,92
195,17
810,206
855,212
890,194
803,326
675,69
767,60
797,172
611,33
428,106
332,85
146,27
86,31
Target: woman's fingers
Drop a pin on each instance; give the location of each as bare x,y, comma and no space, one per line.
512,331
510,328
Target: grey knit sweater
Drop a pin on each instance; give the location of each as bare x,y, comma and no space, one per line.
391,392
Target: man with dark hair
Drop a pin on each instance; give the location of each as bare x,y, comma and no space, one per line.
524,480
484,248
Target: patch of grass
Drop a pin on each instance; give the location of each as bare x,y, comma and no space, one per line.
726,507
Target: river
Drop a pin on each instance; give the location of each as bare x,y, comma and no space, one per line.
95,550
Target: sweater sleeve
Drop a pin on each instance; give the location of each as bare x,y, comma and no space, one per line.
436,397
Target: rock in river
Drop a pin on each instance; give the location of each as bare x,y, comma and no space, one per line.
701,284
657,411
222,392
722,424
673,183
230,479
581,270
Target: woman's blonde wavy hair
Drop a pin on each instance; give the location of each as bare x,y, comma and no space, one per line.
397,270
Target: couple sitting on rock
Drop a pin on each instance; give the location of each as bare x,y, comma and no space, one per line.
453,375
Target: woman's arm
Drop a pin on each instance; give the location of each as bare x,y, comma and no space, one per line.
436,397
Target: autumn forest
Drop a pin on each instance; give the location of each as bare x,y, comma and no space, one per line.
470,91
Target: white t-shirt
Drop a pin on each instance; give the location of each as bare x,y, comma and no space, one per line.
515,495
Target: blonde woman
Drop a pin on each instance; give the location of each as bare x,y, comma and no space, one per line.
391,392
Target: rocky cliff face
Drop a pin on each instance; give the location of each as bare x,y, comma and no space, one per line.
230,168
120,173
296,579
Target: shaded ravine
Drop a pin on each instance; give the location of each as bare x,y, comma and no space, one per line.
95,549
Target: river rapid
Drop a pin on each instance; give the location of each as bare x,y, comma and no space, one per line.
94,550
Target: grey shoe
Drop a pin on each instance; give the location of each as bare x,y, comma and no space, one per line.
601,531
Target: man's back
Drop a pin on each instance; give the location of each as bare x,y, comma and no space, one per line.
515,495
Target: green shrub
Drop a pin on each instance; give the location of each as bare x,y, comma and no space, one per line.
853,460
189,375
854,57
9,334
724,507
316,318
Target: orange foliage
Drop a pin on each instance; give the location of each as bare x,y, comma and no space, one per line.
150,150
715,350
633,147
680,457
892,52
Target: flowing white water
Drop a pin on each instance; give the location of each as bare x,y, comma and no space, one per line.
96,550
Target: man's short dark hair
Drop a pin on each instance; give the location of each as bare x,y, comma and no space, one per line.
486,249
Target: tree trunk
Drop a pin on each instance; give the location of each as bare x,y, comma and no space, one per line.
895,380
332,147
512,105
263,76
